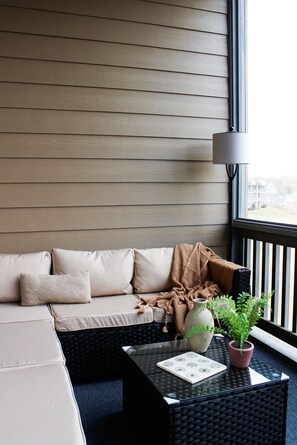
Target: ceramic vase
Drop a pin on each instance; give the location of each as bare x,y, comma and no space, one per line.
199,315
240,358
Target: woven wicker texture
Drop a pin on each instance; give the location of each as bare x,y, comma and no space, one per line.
248,418
241,282
97,353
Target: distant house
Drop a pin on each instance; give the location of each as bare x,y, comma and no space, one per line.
261,194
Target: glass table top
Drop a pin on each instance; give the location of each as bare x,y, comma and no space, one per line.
174,389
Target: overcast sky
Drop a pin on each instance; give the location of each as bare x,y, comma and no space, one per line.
272,86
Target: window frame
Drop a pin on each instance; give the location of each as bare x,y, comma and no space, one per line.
238,121
237,102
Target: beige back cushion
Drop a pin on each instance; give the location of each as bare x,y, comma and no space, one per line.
43,289
12,265
110,271
152,269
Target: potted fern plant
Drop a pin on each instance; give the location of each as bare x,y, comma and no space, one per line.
237,319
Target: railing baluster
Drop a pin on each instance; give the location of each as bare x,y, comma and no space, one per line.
284,301
292,255
257,267
271,255
264,266
278,286
267,276
254,267
294,324
245,253
249,257
273,280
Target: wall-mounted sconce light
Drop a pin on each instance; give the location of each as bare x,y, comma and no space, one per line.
231,148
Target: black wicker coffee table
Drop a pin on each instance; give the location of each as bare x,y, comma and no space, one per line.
238,406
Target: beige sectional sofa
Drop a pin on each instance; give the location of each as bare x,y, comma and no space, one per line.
86,303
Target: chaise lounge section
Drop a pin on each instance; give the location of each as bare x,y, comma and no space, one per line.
37,401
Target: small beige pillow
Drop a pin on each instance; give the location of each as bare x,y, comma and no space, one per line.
42,289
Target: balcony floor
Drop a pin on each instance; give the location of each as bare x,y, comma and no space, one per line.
278,361
100,405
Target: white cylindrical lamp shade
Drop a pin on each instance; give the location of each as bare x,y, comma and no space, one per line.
231,148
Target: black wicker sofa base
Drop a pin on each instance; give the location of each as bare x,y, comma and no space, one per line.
94,354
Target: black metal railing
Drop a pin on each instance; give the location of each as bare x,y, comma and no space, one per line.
270,252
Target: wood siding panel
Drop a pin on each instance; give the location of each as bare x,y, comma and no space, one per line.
79,122
105,170
106,122
120,78
18,95
98,29
116,217
209,5
103,147
212,236
102,53
26,195
137,11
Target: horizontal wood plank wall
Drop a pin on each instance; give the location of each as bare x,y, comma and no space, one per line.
106,121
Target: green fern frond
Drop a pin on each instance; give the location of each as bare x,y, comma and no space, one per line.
237,317
197,329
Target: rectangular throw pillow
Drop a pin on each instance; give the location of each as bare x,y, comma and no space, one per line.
111,271
152,269
43,289
11,265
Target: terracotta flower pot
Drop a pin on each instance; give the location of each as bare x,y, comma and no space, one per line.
240,358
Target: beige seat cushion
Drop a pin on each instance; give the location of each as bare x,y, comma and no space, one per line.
30,343
14,312
38,407
41,289
152,270
103,312
11,265
110,271
158,312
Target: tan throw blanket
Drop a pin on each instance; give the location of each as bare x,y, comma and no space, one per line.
190,279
